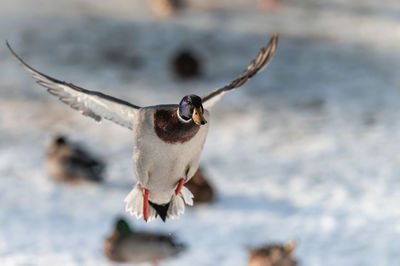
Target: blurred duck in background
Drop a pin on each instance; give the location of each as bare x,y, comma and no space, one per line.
164,8
186,64
70,163
126,245
271,5
200,188
273,255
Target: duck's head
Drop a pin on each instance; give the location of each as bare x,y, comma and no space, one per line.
122,229
191,108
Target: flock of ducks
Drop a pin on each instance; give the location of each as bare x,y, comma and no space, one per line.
169,124
70,163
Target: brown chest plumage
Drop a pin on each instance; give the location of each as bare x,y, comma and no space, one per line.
111,251
168,127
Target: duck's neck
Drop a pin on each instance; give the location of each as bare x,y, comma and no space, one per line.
183,118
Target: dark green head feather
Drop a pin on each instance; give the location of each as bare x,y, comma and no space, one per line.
122,227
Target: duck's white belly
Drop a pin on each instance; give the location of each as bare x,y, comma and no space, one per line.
160,165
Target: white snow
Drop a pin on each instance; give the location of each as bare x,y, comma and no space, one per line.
307,150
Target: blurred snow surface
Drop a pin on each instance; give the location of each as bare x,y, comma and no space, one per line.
307,150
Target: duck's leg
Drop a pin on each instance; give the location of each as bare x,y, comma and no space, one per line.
180,185
145,203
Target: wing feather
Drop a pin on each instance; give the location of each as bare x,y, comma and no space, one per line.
256,65
89,103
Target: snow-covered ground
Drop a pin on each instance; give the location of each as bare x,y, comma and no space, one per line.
308,150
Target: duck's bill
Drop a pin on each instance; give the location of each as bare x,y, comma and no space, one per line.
198,117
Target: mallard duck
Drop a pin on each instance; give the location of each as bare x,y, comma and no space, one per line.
125,245
70,163
168,139
273,255
200,188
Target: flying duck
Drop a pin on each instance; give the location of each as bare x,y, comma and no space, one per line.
168,139
70,163
126,245
273,255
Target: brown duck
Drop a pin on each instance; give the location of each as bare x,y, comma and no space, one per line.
70,163
273,255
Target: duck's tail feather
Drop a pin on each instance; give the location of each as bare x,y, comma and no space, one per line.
134,204
161,210
177,203
187,196
171,210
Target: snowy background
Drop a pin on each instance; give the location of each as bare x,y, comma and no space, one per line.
307,150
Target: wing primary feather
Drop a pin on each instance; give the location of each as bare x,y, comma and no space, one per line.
90,103
256,65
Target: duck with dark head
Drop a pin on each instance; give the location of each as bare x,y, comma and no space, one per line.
127,245
71,163
167,139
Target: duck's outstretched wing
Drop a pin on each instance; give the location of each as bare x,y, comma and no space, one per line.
90,103
256,65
